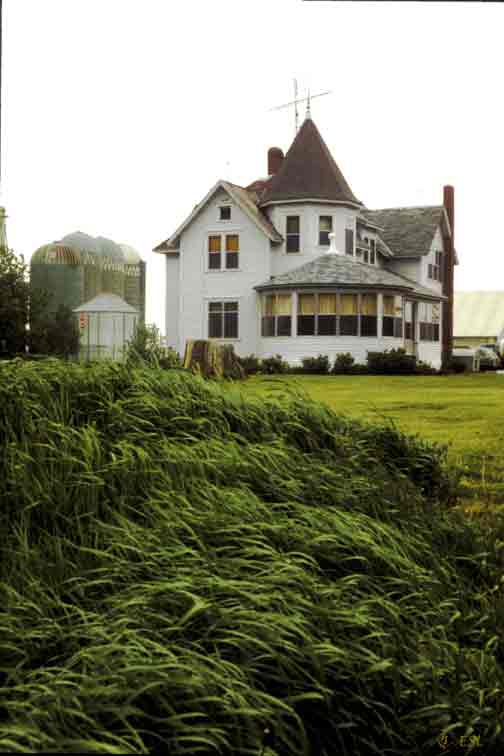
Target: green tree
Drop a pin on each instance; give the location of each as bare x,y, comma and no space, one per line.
56,335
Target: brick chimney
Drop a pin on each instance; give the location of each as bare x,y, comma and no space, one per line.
449,264
275,159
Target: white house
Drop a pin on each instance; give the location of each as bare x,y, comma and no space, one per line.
294,264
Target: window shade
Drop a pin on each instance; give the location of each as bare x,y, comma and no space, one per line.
306,305
327,304
368,304
349,304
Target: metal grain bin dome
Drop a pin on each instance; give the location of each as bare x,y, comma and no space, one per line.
56,254
59,270
131,256
109,248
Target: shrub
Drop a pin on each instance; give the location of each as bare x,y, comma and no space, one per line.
423,368
391,362
274,365
251,364
145,346
169,359
359,370
318,365
343,363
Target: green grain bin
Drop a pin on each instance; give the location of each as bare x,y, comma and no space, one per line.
134,281
58,269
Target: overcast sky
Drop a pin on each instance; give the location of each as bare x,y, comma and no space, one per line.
120,115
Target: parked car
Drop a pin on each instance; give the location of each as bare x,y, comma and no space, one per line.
489,359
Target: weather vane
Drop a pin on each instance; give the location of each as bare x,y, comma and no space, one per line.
295,102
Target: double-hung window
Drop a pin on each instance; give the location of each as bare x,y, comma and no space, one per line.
325,228
349,317
429,321
276,315
232,249
439,266
349,241
292,233
214,252
317,315
392,323
215,246
223,320
372,252
368,315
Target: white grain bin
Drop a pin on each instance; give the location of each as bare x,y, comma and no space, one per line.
106,324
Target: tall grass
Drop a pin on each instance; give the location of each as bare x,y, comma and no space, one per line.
185,572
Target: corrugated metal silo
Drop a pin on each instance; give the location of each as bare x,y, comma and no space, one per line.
113,266
58,269
134,282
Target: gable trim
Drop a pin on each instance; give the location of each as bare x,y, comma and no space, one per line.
172,244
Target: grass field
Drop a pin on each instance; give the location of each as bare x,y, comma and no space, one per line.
187,572
466,412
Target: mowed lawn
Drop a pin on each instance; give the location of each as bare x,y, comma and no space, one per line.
464,411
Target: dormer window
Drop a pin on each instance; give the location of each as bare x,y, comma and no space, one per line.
225,212
325,228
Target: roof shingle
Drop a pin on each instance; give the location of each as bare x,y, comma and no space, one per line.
308,171
407,231
343,270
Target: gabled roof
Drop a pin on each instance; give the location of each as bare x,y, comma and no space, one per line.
243,198
308,172
345,271
408,231
478,313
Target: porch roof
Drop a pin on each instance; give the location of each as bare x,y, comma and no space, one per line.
344,271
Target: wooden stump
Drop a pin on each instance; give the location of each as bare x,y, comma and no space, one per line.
212,360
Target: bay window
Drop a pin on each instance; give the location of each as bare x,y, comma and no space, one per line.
306,315
327,315
349,315
392,324
429,321
276,315
369,315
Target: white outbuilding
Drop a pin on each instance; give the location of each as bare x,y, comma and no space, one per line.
106,324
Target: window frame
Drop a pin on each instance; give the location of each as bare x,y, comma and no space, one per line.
320,232
275,317
223,253
223,301
289,235
224,207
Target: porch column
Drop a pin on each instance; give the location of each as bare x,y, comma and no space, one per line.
294,298
379,314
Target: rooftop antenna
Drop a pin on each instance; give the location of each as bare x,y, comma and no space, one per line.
295,102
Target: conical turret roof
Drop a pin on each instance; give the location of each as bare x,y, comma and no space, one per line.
309,171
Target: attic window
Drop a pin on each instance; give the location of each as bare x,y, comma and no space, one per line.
225,212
